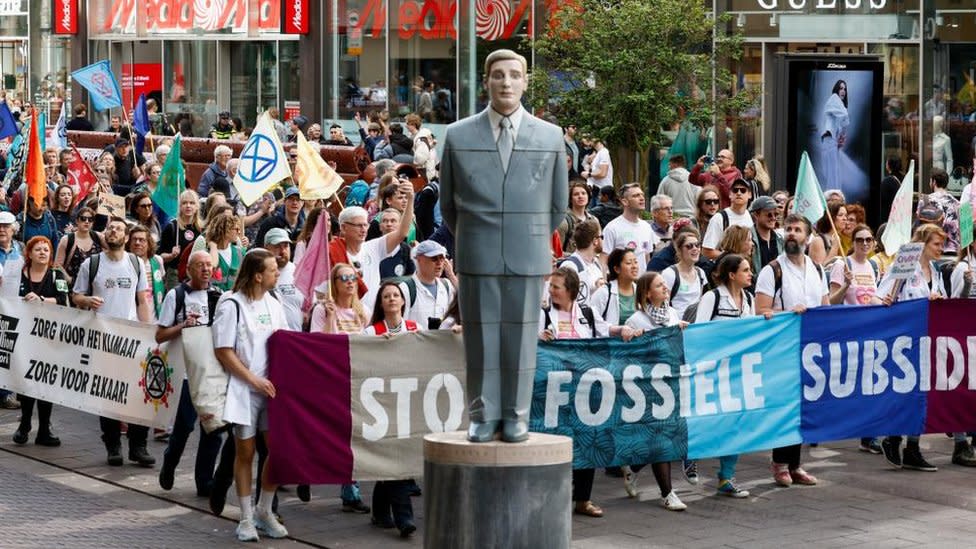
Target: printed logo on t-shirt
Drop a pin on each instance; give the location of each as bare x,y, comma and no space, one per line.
188,235
61,285
123,283
286,289
264,319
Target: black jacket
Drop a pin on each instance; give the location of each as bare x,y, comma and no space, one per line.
401,144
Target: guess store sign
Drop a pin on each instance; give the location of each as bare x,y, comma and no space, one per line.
180,16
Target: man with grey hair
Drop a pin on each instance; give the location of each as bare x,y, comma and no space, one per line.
365,256
185,306
662,214
504,188
162,152
222,155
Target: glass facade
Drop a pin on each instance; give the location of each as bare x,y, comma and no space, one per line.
33,61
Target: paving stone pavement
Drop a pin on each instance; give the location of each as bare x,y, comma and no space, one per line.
68,497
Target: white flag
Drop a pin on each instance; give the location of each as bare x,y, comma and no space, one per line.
899,229
263,162
60,132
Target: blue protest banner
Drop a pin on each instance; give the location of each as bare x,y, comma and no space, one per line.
861,371
8,126
620,402
744,389
98,79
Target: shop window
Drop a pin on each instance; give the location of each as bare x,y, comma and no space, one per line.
902,105
360,77
191,83
254,79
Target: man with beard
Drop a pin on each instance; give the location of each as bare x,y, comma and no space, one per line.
279,244
114,284
428,293
791,282
766,242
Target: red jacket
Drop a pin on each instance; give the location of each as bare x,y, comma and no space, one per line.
723,182
337,254
380,327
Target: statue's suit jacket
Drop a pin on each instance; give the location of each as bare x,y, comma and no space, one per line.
503,222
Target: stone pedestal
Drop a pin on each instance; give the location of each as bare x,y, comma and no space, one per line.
497,494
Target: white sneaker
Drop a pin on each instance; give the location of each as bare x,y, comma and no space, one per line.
246,531
630,481
672,503
269,524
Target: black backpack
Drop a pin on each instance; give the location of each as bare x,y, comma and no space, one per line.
677,280
778,278
945,271
94,262
213,294
692,311
587,314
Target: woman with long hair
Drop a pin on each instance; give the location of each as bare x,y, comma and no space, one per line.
391,498
737,240
925,283
653,312
39,283
63,203
579,198
685,280
756,176
832,131
74,248
142,212
565,319
341,312
708,204
824,245
221,240
729,300
179,233
616,300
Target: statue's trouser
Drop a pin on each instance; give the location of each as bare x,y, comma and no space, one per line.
500,315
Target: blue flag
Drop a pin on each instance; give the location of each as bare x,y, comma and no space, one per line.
8,126
61,130
140,123
42,130
98,79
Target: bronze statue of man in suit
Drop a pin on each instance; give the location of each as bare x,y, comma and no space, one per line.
503,192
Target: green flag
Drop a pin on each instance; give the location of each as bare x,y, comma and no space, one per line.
172,181
809,201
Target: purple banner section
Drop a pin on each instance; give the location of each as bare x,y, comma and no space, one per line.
305,384
952,335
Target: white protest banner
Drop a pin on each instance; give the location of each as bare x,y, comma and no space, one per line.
88,362
263,162
906,260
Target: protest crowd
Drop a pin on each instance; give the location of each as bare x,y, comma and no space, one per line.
714,244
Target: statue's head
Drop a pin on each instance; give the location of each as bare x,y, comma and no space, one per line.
506,77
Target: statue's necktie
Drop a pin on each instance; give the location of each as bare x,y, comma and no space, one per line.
505,142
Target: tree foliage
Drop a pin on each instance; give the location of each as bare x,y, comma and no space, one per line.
626,70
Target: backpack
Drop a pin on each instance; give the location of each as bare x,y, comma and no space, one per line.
183,261
725,219
213,294
570,227
587,314
95,261
778,279
874,267
433,187
692,311
677,280
945,270
358,193
574,260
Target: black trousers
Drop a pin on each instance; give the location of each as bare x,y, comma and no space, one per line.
112,433
392,497
582,484
789,455
27,412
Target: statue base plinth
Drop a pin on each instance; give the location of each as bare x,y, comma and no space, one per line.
497,494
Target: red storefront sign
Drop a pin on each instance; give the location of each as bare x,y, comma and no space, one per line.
183,15
138,79
434,19
292,109
64,14
294,17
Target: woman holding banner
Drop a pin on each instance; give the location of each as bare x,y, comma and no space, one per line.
39,283
565,318
924,283
616,300
653,312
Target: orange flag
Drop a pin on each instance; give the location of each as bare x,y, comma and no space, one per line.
34,169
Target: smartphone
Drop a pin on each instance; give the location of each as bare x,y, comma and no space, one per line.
708,161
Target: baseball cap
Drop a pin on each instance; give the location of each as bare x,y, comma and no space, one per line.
429,248
300,121
224,114
121,142
276,236
763,203
292,191
7,218
740,183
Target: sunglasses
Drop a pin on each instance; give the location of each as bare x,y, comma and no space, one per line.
711,201
692,246
85,218
146,205
865,240
739,190
346,277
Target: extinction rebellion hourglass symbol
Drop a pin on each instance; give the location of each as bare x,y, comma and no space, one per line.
156,379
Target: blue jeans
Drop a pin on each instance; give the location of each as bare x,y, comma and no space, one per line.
726,467
186,418
350,493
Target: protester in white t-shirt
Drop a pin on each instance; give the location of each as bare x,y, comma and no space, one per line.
685,280
736,214
801,286
600,172
278,243
119,289
628,231
432,292
352,247
585,260
243,322
174,317
854,279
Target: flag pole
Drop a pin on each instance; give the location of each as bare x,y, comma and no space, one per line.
125,116
833,227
